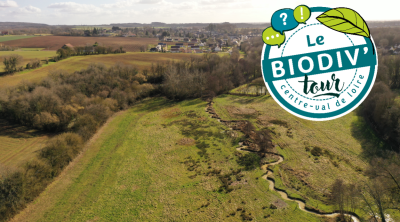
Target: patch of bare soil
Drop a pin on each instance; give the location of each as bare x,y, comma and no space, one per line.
239,112
280,204
186,142
171,113
299,174
264,120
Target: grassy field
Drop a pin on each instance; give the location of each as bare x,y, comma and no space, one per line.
56,42
160,161
343,142
27,55
31,49
141,60
15,37
19,144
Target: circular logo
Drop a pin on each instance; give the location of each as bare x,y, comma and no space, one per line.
319,73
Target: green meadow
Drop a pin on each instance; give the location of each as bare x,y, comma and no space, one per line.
159,161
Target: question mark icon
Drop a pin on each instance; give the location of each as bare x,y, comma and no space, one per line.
284,15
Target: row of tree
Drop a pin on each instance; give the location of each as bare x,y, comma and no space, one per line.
376,195
13,63
209,75
382,113
74,103
78,103
95,49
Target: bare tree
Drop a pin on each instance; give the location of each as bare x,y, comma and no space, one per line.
374,195
143,48
12,63
345,197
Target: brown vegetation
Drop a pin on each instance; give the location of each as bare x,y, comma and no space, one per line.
78,103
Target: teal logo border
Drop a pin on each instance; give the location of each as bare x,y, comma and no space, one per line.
320,116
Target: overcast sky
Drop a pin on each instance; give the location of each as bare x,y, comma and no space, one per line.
91,12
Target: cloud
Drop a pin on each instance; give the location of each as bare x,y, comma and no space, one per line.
25,11
149,1
120,4
129,3
31,9
8,4
74,8
177,6
215,2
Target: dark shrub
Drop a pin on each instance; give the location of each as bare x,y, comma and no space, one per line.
11,194
85,125
316,151
250,161
60,150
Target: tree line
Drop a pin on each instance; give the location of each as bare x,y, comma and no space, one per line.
13,63
207,76
381,111
73,104
374,195
76,104
95,49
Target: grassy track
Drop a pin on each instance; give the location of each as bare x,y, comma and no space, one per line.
137,59
145,166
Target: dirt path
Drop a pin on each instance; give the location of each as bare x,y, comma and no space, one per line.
269,173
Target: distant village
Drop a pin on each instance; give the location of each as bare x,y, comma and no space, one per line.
194,45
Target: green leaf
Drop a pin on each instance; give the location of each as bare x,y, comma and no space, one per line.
345,20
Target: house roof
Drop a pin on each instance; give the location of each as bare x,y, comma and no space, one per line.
68,45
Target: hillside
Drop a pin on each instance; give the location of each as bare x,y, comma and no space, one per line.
5,25
149,162
140,60
56,42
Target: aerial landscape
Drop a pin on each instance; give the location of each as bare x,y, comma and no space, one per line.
126,118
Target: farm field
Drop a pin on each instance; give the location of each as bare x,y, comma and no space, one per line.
15,37
19,144
56,42
158,161
27,55
141,60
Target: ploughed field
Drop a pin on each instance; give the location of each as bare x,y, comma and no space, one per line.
129,44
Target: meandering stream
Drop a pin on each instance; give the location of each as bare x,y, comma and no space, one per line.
269,173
